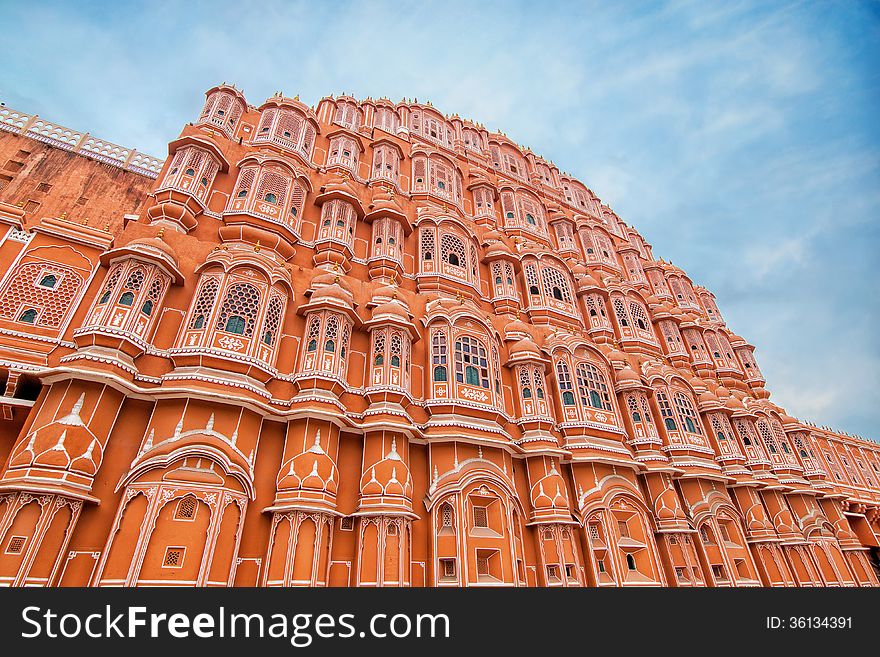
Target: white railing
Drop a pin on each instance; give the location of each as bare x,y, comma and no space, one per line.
81,143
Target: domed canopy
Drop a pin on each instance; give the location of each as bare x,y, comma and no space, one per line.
334,293
498,249
326,277
311,470
516,328
627,376
392,309
388,477
525,348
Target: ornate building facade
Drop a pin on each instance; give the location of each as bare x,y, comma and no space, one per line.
369,344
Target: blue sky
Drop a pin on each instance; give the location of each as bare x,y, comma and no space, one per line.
741,138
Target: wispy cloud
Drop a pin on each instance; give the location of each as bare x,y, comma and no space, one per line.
741,137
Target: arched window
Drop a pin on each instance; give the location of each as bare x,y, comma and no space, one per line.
338,219
326,343
239,310
438,177
28,316
191,165
235,324
592,387
563,376
386,163
471,362
344,151
49,280
438,355
272,321
147,308
686,412
666,411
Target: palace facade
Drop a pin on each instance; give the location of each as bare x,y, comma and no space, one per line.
370,344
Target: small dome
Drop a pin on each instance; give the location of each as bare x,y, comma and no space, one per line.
154,243
787,419
327,277
707,398
588,282
627,375
517,326
335,293
525,347
498,249
313,470
391,308
616,355
390,476
735,404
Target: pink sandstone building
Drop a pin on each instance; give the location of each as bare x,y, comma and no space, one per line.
370,344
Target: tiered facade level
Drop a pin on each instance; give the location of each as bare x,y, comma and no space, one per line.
368,344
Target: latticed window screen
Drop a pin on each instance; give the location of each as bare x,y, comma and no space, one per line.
438,355
173,558
386,119
396,347
767,436
154,294
289,127
343,151
471,362
241,300
672,336
658,282
531,273
110,283
640,318
16,545
563,376
379,347
686,412
565,236
273,188
722,432
606,252
633,267
134,280
266,120
666,411
426,242
620,311
245,182
639,409
745,433
22,293
556,285
186,509
481,516
446,515
385,163
695,344
308,141
297,201
273,320
204,305
452,250
592,387
313,333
